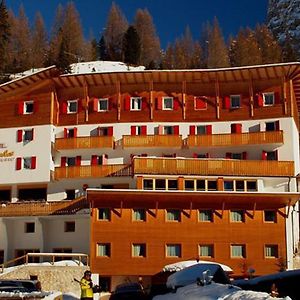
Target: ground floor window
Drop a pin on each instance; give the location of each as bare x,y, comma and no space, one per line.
5,195
1,257
33,194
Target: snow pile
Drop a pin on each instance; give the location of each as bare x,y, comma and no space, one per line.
214,291
35,295
102,67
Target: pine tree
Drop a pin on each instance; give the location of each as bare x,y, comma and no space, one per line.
39,43
131,46
245,49
115,28
270,50
217,50
150,44
103,53
63,59
204,40
4,36
288,52
168,58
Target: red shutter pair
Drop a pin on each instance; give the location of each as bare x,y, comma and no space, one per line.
208,129
133,130
236,128
19,163
21,107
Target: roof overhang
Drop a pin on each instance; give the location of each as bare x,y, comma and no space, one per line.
185,199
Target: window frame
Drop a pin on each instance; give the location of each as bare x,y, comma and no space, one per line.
99,104
233,98
266,94
108,219
237,211
143,215
143,247
176,213
210,218
164,106
27,162
69,229
107,249
274,217
30,132
135,101
26,104
173,245
243,250
275,248
69,103
211,250
27,227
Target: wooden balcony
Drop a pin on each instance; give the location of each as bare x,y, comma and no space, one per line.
38,208
86,142
172,141
215,167
235,139
91,171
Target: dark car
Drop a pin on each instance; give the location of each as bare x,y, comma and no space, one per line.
129,291
20,285
287,283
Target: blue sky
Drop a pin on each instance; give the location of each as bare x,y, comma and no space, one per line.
170,16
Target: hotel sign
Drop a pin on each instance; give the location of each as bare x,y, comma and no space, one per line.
6,155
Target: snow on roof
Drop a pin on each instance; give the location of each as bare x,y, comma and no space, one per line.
102,67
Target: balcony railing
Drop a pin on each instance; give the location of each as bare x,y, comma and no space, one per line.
235,139
86,142
173,166
37,208
92,171
152,141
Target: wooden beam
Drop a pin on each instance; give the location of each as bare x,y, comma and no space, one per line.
151,99
223,208
292,98
254,209
285,105
87,99
217,89
184,99
289,208
118,88
251,96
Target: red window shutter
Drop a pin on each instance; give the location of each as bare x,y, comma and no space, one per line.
19,135
110,103
110,131
209,129
277,125
65,133
195,155
133,130
144,130
95,103
79,106
200,103
94,160
21,108
260,100
63,161
75,132
127,103
175,103
159,103
64,107
264,155
176,130
227,102
228,155
35,106
277,98
245,155
33,162
78,160
144,103
18,163
192,129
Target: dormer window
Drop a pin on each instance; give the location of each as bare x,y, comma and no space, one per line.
135,103
167,103
28,107
235,101
268,99
72,106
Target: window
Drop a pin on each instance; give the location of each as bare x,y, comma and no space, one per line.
28,107
103,104
189,185
30,227
228,185
135,103
270,126
168,130
211,185
173,250
173,215
239,185
237,216
172,184
238,251
235,101
160,184
271,251
72,106
201,185
167,103
71,161
105,131
237,156
29,162
270,216
269,99
104,214
70,132
1,256
139,214
148,184
251,186
70,226
139,250
28,135
103,249
206,250
205,215
201,130
271,155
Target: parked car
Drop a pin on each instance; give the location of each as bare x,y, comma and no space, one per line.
129,291
19,285
287,283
